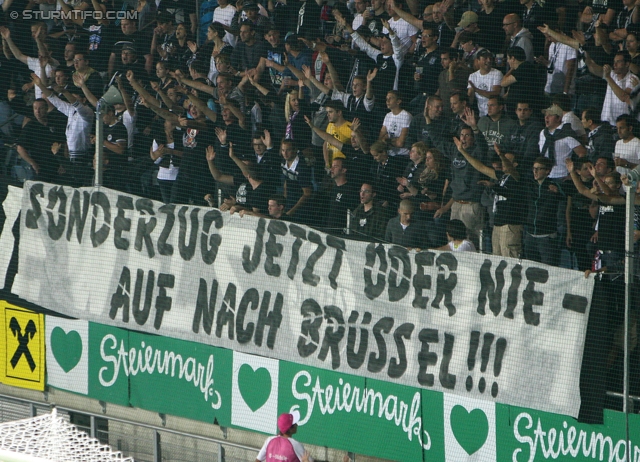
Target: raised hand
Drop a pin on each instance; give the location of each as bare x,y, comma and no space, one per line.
308,121
306,70
372,74
266,139
222,136
544,29
569,164
469,117
458,144
36,80
355,125
211,154
78,80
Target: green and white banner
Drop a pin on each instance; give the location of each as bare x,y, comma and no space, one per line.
472,325
343,411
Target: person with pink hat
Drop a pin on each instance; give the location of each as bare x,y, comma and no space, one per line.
282,447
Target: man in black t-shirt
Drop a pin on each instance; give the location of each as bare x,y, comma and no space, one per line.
342,196
35,142
522,81
134,41
309,19
297,182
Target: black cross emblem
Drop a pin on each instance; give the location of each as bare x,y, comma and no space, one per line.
23,342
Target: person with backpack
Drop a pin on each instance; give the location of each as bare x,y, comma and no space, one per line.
282,447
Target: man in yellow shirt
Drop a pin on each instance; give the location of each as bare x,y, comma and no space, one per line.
339,128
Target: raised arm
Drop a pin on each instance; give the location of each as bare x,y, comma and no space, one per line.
125,97
217,174
200,86
6,35
406,15
559,37
202,107
137,86
80,82
311,79
324,135
475,163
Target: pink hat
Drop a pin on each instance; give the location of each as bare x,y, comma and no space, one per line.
288,420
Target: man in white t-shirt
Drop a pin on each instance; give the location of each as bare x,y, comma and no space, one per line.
33,63
358,19
403,29
557,142
395,127
485,82
620,82
224,15
561,68
627,153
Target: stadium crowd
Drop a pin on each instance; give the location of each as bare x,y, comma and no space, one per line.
463,124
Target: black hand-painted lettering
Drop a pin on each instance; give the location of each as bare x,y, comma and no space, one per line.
164,248
355,359
35,212
427,358
340,246
310,327
333,335
210,241
141,315
145,227
491,289
444,287
374,252
398,255
205,307
447,380
301,235
422,281
512,293
78,217
250,263
271,319
307,273
57,196
187,251
531,297
377,361
163,302
227,311
397,367
251,298
121,223
120,299
99,200
273,249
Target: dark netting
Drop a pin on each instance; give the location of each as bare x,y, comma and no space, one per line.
425,202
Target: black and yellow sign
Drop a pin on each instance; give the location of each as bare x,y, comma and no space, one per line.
22,354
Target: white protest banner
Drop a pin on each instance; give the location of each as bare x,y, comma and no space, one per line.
10,208
475,325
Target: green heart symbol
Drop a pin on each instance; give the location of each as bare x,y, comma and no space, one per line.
255,386
66,348
470,428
